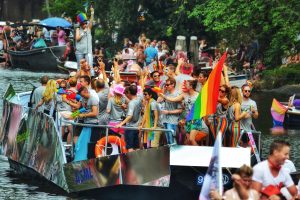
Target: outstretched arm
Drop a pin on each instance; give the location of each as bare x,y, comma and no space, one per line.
91,18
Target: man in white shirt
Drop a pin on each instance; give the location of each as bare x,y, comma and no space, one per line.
270,172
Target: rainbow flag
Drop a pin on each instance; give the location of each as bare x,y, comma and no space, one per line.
278,111
206,102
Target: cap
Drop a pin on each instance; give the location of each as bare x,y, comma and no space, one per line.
72,74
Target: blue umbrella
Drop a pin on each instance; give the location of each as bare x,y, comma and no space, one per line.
54,22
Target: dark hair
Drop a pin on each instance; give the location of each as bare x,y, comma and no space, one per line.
227,89
82,89
278,145
193,83
152,73
86,78
150,92
72,81
245,85
63,82
44,80
132,89
126,83
100,84
205,75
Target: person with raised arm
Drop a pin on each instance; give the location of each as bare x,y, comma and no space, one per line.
83,39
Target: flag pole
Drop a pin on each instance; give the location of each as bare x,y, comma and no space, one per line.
220,178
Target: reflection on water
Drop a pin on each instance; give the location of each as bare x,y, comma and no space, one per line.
12,187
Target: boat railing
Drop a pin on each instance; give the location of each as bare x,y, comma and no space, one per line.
107,127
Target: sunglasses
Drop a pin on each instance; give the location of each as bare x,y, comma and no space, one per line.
168,84
247,91
145,94
223,91
155,76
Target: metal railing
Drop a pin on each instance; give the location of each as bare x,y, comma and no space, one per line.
107,127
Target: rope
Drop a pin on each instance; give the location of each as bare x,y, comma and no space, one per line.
57,58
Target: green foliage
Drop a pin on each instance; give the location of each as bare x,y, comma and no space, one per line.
281,76
162,19
275,24
69,7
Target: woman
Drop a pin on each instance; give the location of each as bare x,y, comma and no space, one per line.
115,107
48,98
150,119
219,119
196,128
235,115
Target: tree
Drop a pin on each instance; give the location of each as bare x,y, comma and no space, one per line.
275,24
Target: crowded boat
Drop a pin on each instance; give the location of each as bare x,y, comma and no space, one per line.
147,96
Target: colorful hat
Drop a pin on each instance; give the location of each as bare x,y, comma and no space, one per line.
81,17
118,89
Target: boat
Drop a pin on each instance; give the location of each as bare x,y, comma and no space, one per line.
292,118
31,141
235,79
40,59
292,115
66,66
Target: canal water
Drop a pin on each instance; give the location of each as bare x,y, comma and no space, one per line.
12,187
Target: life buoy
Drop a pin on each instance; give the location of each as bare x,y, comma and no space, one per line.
112,140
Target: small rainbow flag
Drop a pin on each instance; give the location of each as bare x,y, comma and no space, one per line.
278,111
206,102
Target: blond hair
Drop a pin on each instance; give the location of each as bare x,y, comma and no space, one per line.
235,96
49,90
118,99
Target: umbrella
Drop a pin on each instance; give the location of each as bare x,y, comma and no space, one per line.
54,22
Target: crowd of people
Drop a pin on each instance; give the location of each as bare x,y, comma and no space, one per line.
159,98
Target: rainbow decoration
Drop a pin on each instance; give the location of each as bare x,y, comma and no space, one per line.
278,111
149,135
81,17
206,102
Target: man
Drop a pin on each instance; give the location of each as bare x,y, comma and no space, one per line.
270,173
90,103
171,110
150,53
155,80
83,39
133,118
38,93
102,90
85,145
85,81
249,106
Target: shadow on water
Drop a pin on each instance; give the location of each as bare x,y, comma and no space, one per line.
15,187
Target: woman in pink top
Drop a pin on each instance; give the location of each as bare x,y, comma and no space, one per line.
61,36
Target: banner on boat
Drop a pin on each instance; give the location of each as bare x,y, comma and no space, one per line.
30,138
149,167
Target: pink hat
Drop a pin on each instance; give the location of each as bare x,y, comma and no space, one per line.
119,89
